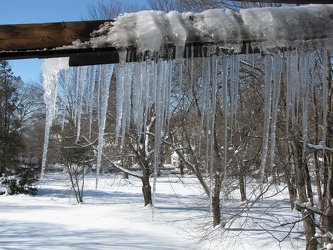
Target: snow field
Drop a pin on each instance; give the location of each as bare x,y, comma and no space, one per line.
113,217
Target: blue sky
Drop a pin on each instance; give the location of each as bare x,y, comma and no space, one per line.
40,11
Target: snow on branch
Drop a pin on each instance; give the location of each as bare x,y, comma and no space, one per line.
310,208
319,147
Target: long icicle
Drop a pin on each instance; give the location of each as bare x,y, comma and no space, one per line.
304,69
212,115
277,66
51,68
225,60
106,74
267,115
324,104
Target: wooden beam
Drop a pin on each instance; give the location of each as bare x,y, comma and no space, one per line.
46,40
77,57
45,35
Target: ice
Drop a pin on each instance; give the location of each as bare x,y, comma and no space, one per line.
289,90
51,68
234,86
304,65
277,70
106,73
64,100
324,104
123,96
214,83
268,28
267,113
288,25
177,29
79,106
143,89
225,63
90,99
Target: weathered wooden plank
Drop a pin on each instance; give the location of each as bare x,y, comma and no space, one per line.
45,35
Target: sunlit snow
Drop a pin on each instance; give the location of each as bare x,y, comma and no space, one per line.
113,217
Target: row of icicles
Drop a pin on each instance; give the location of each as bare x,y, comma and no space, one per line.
143,86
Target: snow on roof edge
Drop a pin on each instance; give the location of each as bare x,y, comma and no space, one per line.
266,28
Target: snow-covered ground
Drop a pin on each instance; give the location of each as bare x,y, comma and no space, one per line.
113,217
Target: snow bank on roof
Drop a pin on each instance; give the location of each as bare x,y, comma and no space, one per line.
266,27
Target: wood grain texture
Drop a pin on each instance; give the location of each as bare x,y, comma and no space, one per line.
45,35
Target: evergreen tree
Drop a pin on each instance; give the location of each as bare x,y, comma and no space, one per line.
10,137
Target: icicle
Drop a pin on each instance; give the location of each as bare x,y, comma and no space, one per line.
80,102
120,70
295,85
298,84
232,90
277,67
168,91
123,95
92,83
66,81
324,104
207,109
106,74
137,96
225,61
99,86
236,86
148,98
51,69
142,101
158,125
212,129
289,90
267,116
304,68
75,83
205,104
192,65
126,99
234,78
312,64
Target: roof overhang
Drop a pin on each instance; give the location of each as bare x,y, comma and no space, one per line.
47,40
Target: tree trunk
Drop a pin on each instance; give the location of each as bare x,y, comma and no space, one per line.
181,167
146,188
242,187
327,220
216,202
303,186
216,209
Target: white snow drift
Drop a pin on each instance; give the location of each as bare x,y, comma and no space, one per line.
265,27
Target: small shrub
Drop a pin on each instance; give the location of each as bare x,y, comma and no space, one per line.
22,181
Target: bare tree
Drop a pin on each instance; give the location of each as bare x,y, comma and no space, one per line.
105,10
